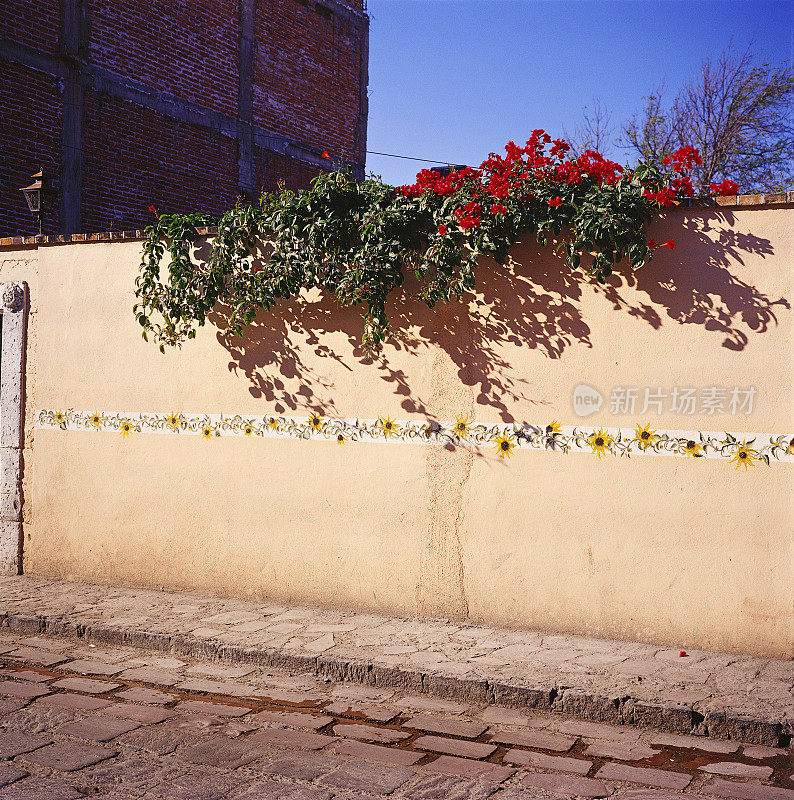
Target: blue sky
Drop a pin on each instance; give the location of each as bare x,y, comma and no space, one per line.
456,79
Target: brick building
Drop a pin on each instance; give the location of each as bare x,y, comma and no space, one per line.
180,104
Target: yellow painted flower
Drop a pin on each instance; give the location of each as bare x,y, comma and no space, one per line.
790,448
645,437
553,427
461,427
600,442
272,423
745,456
504,445
340,438
692,448
96,419
388,427
173,421
316,422
126,428
248,429
207,431
59,417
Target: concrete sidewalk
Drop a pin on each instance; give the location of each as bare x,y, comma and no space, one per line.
703,693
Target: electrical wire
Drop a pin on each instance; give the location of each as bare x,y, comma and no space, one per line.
409,158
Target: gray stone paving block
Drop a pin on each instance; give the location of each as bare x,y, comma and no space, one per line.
161,677
37,719
454,747
450,727
144,714
141,694
527,758
376,752
69,756
10,774
7,706
661,779
98,728
14,743
565,785
496,715
758,753
365,777
23,690
696,742
597,730
72,702
624,752
422,703
85,685
735,770
26,675
345,708
158,739
41,789
199,785
290,719
219,751
216,709
445,787
219,670
90,667
745,791
300,766
288,696
273,790
285,737
464,767
370,733
534,738
34,656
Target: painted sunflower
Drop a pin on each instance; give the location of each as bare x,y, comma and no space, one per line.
388,427
340,438
126,428
174,422
272,423
645,437
207,432
745,456
248,429
504,445
96,419
790,448
553,427
600,441
316,422
59,417
692,448
461,426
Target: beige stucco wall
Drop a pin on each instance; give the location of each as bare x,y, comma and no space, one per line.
691,553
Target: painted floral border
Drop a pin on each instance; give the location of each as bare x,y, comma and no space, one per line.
741,450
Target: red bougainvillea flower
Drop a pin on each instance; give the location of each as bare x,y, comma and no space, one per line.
724,189
652,243
555,201
498,208
325,154
442,229
152,210
669,243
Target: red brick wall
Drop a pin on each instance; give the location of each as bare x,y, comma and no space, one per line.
35,23
307,64
306,76
134,158
184,48
29,139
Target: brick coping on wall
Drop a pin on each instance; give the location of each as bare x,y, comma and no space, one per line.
733,201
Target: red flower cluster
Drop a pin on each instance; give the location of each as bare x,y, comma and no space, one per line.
555,201
468,216
683,159
429,181
442,230
653,245
725,189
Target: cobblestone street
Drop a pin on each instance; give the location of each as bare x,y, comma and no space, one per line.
78,719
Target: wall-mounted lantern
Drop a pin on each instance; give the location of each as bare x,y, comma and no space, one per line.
35,194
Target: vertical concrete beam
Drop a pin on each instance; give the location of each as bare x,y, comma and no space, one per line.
72,48
246,179
13,305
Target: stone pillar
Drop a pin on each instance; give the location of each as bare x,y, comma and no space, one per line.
13,305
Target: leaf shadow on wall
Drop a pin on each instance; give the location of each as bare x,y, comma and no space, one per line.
533,301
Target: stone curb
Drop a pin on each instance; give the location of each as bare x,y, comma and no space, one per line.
581,704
